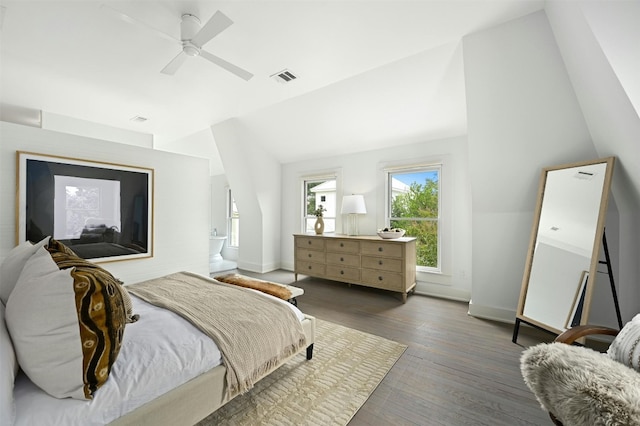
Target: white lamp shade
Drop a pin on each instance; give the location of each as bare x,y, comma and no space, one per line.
353,204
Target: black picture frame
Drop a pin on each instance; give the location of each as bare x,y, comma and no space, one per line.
66,198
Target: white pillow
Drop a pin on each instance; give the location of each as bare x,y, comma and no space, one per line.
12,266
9,369
66,317
42,319
625,348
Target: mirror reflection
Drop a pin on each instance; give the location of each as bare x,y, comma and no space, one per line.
564,242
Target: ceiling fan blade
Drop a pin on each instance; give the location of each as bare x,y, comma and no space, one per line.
218,23
245,75
131,20
175,63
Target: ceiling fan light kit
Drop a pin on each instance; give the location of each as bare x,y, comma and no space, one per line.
189,26
193,36
190,49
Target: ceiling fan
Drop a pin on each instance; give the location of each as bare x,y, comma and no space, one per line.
193,36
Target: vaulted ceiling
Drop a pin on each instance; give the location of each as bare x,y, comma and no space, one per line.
100,61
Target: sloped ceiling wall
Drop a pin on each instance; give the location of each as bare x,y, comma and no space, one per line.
414,99
598,41
541,91
522,116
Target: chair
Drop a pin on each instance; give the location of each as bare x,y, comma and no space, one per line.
580,386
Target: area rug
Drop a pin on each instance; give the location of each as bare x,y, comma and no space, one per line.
346,368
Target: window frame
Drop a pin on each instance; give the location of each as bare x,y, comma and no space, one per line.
304,180
231,230
416,168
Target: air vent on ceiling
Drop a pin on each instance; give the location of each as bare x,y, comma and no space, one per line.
284,76
139,119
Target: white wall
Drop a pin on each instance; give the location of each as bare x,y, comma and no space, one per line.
522,116
599,44
362,173
181,192
199,144
522,110
254,177
87,129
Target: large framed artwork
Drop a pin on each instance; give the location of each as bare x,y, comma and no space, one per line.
101,211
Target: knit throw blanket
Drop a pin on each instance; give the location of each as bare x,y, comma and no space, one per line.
255,334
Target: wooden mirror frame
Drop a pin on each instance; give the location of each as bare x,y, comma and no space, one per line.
585,303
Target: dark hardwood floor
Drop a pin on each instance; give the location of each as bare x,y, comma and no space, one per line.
457,369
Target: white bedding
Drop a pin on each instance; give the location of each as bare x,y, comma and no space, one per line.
160,352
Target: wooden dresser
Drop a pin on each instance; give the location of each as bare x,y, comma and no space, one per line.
364,260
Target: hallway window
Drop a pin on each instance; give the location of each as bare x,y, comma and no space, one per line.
233,218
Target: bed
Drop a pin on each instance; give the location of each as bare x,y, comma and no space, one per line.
193,378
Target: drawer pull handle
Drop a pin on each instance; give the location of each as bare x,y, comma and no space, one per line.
379,262
341,272
379,248
342,259
379,278
309,255
341,244
309,242
309,266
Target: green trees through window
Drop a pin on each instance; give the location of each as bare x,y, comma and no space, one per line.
415,207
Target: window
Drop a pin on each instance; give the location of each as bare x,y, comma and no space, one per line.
319,191
234,222
413,195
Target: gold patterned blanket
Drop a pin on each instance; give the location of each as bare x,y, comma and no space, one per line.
255,334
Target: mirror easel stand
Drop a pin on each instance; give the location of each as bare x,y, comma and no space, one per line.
609,272
607,262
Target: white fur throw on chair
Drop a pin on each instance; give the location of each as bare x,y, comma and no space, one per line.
580,386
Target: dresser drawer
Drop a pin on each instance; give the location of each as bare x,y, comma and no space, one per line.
310,268
382,279
362,260
352,260
310,243
382,263
381,249
310,255
340,273
343,246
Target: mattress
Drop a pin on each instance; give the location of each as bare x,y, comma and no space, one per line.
159,353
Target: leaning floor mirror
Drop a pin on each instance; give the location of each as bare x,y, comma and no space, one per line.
566,236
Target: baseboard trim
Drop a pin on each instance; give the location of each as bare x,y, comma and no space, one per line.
491,313
257,268
443,292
